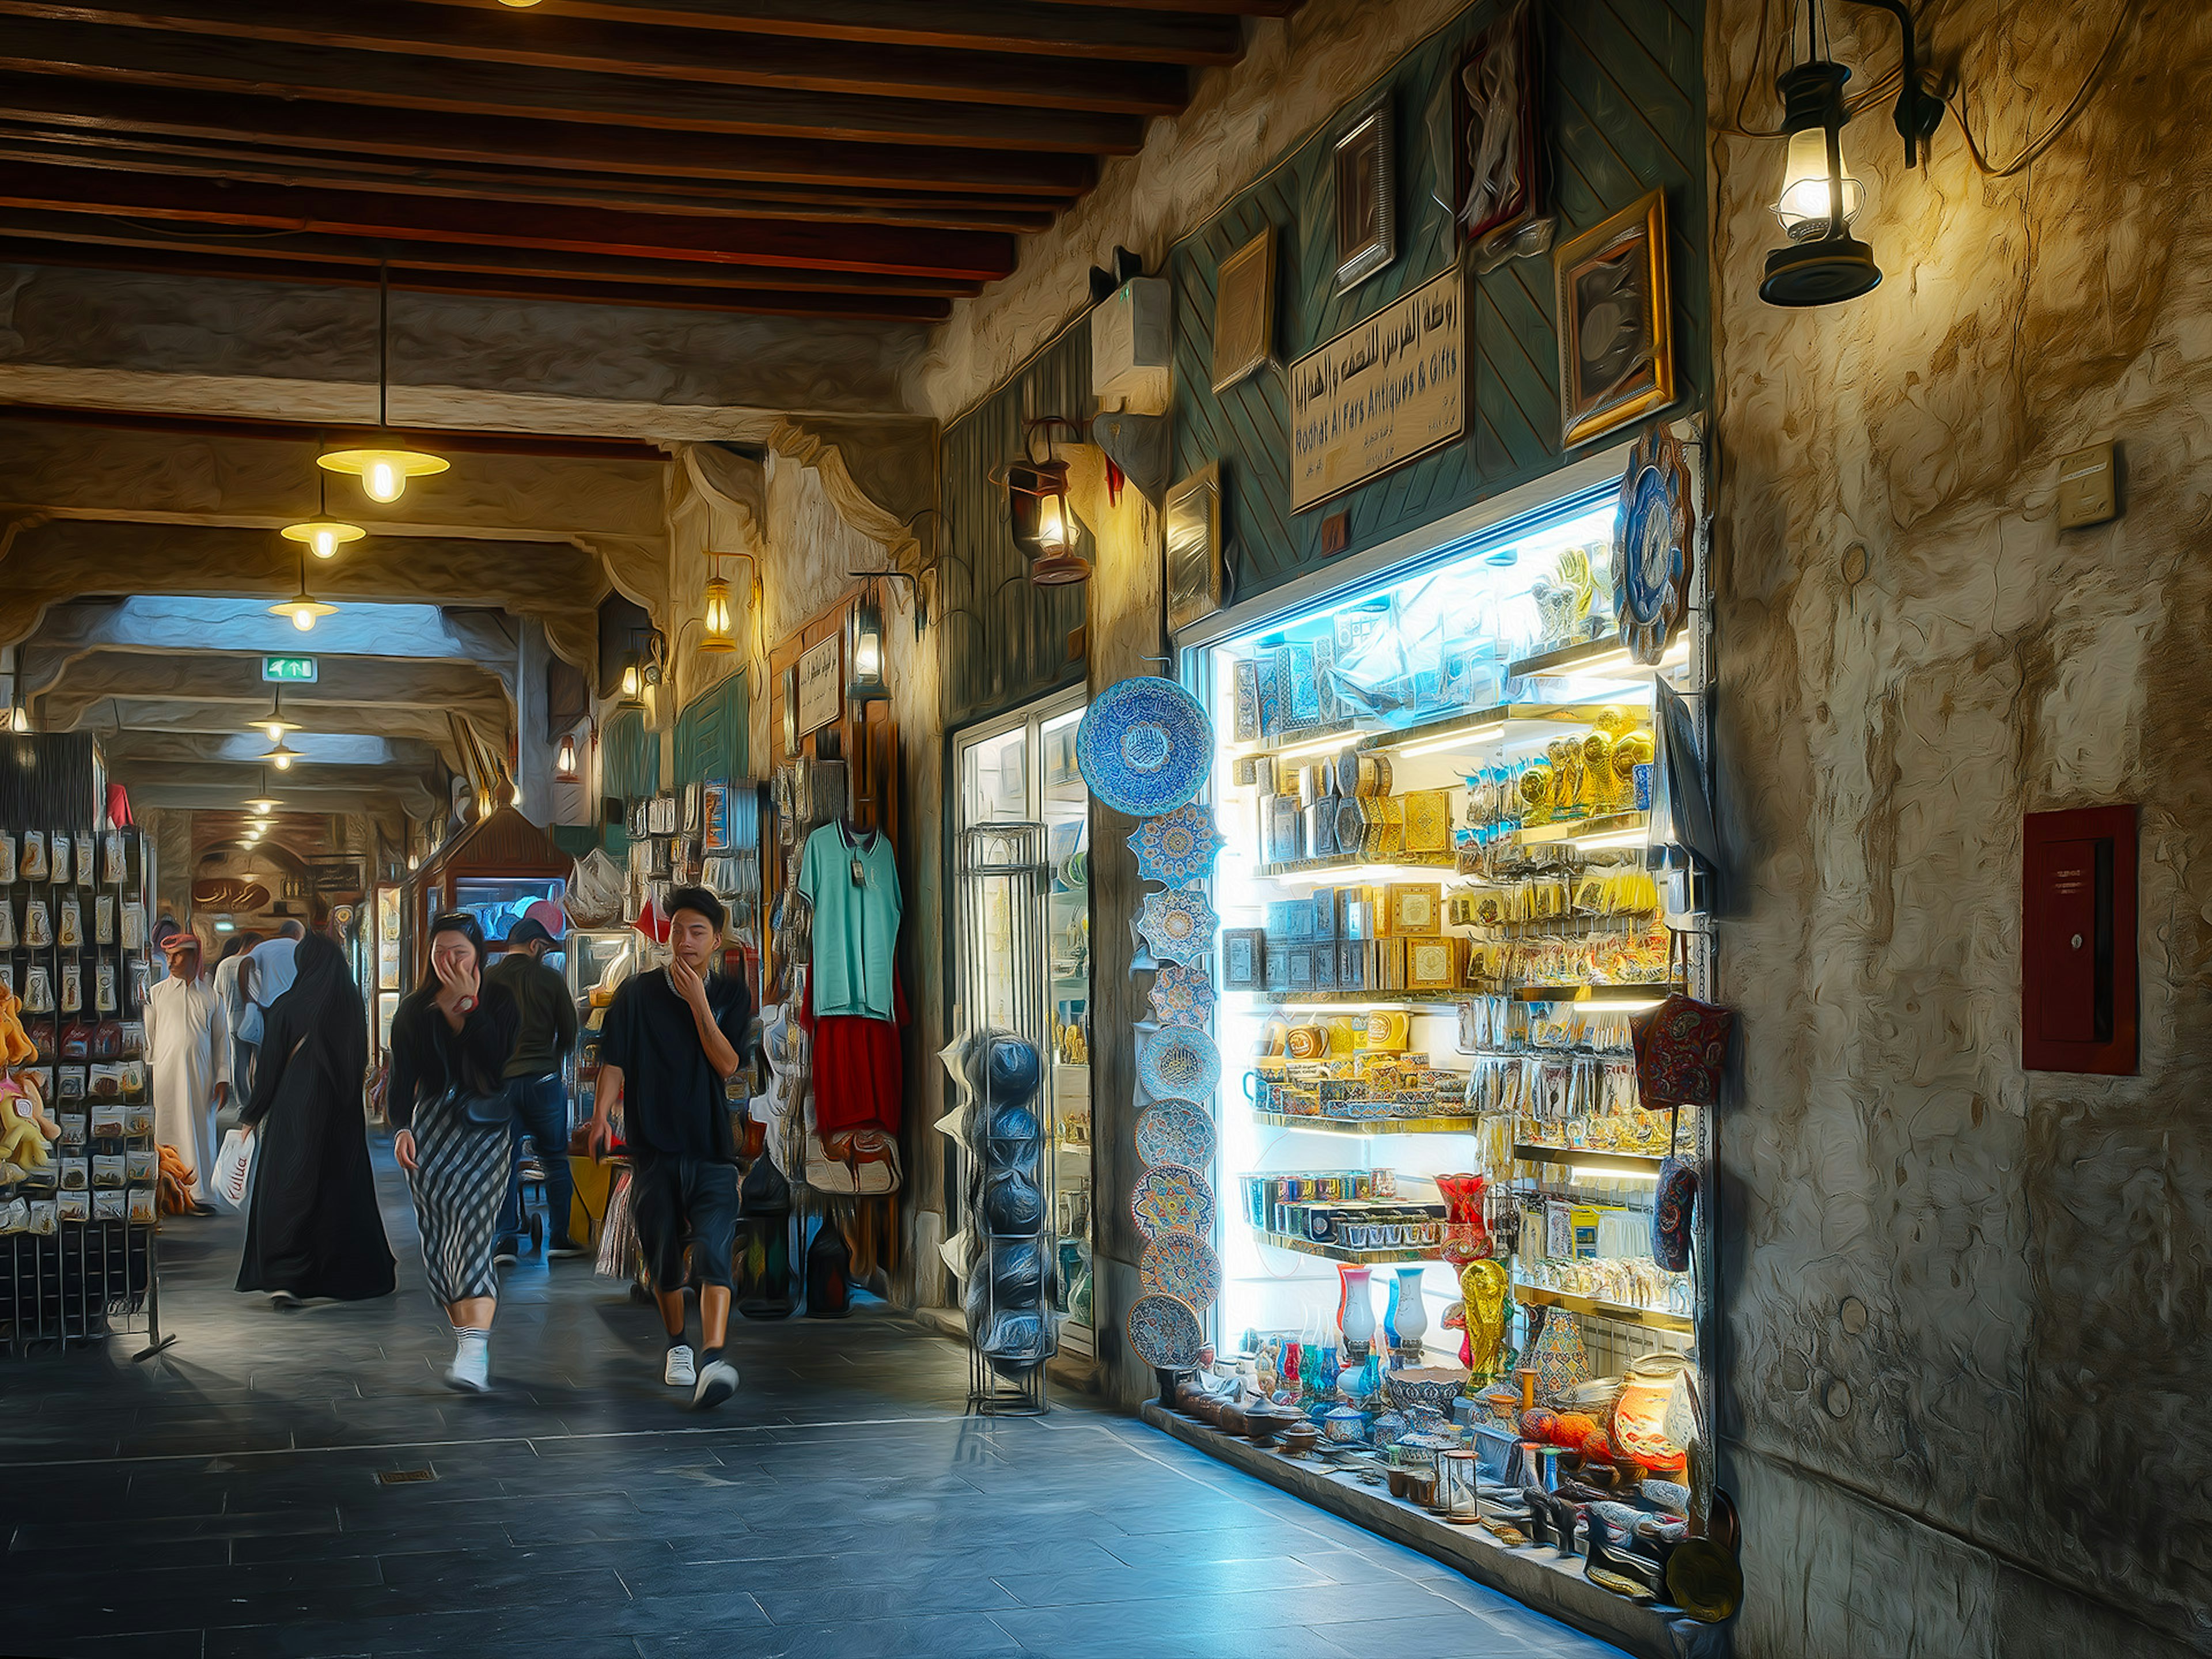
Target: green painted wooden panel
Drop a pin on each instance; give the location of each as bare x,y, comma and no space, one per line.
711,735
1002,641
1623,97
629,756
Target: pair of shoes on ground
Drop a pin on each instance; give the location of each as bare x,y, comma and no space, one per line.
709,1386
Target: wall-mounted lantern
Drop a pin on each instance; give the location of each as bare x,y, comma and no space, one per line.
865,652
1044,526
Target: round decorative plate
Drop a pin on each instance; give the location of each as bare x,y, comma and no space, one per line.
1176,1132
1178,848
1178,927
1170,1198
1183,1266
1178,1062
1651,551
1165,1332
1144,747
1182,994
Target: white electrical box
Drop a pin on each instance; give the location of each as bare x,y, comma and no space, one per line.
1131,339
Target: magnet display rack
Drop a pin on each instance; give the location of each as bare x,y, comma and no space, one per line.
86,1269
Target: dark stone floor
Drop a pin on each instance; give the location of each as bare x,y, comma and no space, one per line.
224,1500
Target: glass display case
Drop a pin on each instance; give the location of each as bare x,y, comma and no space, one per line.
1022,769
1440,903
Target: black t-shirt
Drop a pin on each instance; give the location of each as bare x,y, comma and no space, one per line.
673,1100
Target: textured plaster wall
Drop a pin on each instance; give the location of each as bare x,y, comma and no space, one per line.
2010,1456
1295,74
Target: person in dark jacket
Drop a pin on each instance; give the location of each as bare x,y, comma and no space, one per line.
313,1228
451,1037
535,1081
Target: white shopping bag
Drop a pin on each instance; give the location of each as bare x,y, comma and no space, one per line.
233,1164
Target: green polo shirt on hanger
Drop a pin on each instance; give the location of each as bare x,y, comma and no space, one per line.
852,881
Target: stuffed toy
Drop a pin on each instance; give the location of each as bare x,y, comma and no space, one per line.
25,1128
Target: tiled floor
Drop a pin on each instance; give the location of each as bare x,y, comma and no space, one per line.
224,1500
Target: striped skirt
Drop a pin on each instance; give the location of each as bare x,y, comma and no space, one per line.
460,1180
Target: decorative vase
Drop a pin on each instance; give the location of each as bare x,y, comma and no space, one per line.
1406,1321
1355,1314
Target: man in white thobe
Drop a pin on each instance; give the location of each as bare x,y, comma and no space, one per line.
188,1043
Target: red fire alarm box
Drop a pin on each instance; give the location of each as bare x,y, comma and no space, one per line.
2077,959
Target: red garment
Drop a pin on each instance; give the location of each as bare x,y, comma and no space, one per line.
860,1071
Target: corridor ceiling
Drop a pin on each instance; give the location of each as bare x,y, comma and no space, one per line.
805,158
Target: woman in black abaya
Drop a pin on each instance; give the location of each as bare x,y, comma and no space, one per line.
313,1228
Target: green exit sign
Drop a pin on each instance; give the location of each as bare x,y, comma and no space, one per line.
287,668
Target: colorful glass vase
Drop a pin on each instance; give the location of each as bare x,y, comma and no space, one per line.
1355,1313
1406,1319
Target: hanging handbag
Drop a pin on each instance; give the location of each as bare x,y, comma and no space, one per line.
1680,1046
492,1111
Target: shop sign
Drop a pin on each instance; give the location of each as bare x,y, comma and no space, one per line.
1379,395
287,668
821,685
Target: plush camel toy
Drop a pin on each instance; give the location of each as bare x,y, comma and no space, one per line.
25,1128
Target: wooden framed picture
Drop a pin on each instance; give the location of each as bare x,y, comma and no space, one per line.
1616,348
1194,537
1366,207
1244,310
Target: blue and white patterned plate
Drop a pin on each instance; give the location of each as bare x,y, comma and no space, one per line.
1178,927
1165,1332
1175,1062
1177,849
1144,747
1182,994
1176,1132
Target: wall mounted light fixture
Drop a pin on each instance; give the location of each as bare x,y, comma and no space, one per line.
1044,526
864,650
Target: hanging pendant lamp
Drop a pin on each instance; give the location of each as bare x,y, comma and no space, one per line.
265,804
303,607
384,469
323,535
275,725
282,755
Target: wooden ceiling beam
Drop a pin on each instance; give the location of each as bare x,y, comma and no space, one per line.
92,106
184,158
475,443
741,302
1205,7
554,41
94,192
378,80
1188,35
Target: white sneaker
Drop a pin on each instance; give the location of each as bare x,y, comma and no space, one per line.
677,1372
470,1371
716,1383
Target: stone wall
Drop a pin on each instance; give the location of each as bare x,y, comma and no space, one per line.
2001,1448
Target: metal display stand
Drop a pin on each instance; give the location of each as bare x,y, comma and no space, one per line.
1004,879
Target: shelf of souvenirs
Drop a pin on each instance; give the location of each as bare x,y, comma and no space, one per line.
1641,1165
1472,731
1654,1319
1599,659
1362,1258
1359,869
1375,1127
1628,997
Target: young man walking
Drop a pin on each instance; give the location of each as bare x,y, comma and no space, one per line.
546,1033
669,1048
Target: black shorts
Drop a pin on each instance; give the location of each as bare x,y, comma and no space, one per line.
675,1196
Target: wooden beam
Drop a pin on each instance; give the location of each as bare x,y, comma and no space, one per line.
132,152
1088,30
122,254
1207,8
379,80
89,106
591,46
902,250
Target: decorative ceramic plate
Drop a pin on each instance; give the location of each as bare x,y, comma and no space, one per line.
1178,927
1651,557
1183,1266
1144,747
1172,1198
1178,1062
1165,1332
1183,995
1176,1132
1178,848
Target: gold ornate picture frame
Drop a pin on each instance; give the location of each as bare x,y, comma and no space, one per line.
1616,340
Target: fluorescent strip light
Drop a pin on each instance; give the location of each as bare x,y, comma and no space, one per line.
1611,838
1478,735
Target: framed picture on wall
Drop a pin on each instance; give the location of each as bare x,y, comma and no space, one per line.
1244,310
1194,538
1616,349
1366,204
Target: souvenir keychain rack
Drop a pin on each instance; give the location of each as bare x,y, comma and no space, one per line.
72,1278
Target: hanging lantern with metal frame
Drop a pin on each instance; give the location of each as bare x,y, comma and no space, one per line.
1044,526
303,607
864,650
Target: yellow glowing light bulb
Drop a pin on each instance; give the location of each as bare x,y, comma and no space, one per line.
630,680
1803,206
383,482
1052,526
281,762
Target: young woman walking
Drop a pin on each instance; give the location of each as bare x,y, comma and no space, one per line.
450,1041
